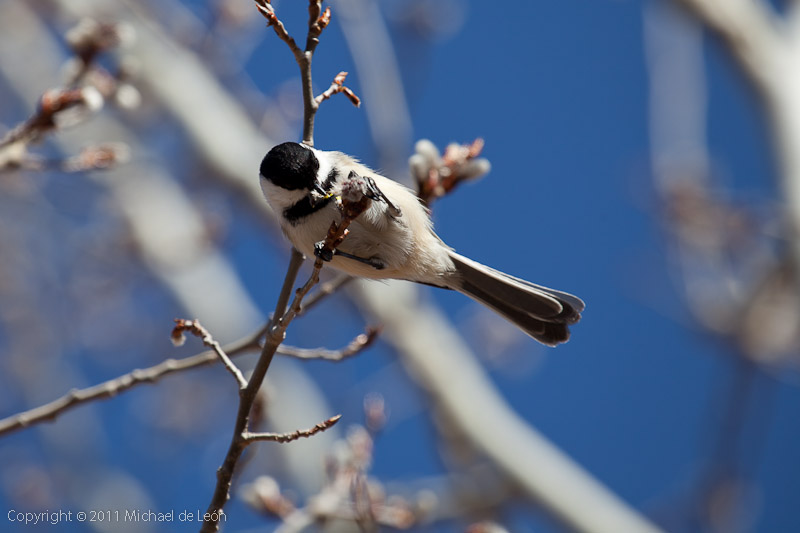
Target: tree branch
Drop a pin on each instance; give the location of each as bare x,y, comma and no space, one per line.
317,21
351,208
750,29
195,328
113,387
295,262
460,390
110,388
324,290
337,86
288,437
767,50
358,345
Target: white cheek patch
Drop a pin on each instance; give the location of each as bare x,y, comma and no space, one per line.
325,165
279,198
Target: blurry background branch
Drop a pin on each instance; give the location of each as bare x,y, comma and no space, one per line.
766,47
461,392
114,387
736,261
167,228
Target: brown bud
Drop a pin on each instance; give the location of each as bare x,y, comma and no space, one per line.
339,79
325,19
352,96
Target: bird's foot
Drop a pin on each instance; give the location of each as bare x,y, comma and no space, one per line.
326,254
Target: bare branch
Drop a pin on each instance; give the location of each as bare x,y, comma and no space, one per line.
295,262
89,38
62,107
113,387
337,86
317,21
97,157
324,290
268,12
358,345
351,208
751,30
288,437
247,398
195,328
52,106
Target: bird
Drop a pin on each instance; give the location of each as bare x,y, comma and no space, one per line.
394,239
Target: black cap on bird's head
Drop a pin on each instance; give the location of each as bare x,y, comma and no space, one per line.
291,166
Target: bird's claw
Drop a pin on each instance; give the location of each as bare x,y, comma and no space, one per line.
323,252
374,193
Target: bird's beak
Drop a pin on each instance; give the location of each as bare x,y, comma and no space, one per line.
318,194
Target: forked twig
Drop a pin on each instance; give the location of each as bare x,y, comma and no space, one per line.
318,20
195,328
113,387
337,86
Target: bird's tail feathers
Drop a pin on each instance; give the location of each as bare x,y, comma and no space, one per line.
542,313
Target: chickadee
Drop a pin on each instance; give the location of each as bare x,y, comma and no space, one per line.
394,239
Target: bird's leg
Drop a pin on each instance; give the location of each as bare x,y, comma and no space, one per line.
327,255
377,264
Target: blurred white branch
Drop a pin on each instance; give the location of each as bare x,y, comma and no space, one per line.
751,30
767,48
167,227
379,76
226,137
440,359
735,284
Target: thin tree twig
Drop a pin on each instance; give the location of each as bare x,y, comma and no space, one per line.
247,397
90,38
288,437
323,291
268,12
51,104
295,262
317,21
337,86
67,105
274,337
113,387
195,328
356,346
